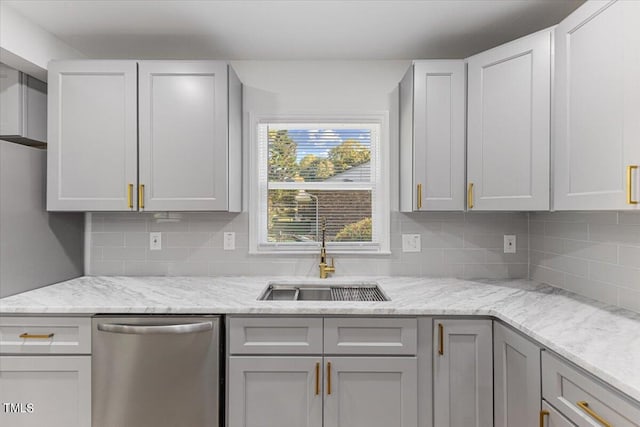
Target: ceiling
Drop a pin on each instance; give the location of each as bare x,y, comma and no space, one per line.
290,30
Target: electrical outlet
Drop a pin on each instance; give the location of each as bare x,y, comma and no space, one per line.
229,241
411,243
509,244
155,241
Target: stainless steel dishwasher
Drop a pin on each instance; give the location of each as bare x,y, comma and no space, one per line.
156,371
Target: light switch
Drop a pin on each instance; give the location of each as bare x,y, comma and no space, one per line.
411,243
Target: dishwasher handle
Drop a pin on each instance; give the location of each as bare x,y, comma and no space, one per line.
185,328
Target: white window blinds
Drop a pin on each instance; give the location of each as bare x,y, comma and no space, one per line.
315,173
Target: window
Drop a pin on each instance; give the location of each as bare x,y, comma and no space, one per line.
315,174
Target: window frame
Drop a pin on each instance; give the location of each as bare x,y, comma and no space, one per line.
380,208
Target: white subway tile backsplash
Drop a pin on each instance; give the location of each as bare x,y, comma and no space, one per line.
192,245
136,239
465,256
630,218
115,239
591,250
615,233
592,288
142,268
610,250
188,240
124,254
630,256
567,230
615,274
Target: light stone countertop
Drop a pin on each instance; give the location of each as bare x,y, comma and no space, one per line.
602,339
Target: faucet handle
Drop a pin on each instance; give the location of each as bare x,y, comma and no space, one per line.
332,263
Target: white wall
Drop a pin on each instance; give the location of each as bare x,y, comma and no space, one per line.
37,248
27,47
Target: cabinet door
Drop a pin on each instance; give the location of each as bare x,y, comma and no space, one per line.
183,135
516,373
462,370
438,119
508,125
92,136
275,392
552,418
52,391
371,392
597,101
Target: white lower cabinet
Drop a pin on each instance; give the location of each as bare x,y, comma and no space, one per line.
584,400
462,373
52,391
275,391
331,377
516,379
371,392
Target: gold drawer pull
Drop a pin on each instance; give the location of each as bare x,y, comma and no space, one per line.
419,196
584,405
630,170
130,196
440,339
317,378
27,335
328,378
470,196
141,196
543,414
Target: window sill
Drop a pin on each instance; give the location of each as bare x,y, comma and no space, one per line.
315,253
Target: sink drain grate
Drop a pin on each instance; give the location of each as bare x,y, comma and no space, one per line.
358,293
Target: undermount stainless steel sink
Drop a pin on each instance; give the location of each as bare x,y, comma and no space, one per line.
361,291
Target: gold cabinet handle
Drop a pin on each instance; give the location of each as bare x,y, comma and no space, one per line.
470,196
630,170
130,196
440,339
141,196
328,378
584,405
419,196
543,413
317,378
27,335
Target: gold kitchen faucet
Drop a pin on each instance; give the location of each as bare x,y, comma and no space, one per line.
325,269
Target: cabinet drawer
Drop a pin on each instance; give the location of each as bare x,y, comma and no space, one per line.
45,335
52,391
569,390
277,335
370,336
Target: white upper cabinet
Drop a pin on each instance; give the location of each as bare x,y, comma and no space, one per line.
92,150
23,108
508,140
597,107
183,128
148,135
432,127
